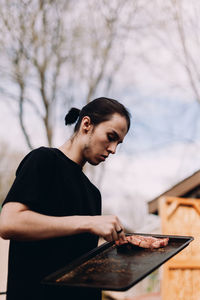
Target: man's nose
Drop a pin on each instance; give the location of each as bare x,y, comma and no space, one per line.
112,148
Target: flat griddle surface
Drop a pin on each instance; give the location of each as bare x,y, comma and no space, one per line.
109,267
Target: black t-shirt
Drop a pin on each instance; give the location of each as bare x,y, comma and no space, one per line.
50,183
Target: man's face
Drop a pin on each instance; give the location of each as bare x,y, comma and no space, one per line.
104,138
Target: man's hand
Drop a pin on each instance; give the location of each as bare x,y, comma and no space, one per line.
109,227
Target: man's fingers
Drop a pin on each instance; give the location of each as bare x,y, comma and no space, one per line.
108,238
122,236
120,232
115,235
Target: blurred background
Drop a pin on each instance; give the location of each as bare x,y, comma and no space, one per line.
59,54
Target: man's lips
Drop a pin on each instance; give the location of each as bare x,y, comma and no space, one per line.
104,157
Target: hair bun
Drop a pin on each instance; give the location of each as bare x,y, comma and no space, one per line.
72,116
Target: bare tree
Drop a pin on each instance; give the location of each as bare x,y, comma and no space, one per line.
187,23
103,36
58,51
175,32
34,52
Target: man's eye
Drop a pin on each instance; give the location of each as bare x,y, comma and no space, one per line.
110,138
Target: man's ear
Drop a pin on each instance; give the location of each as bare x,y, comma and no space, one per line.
86,124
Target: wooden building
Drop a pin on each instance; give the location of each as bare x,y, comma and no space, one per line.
188,188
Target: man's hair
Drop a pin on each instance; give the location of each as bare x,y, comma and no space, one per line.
99,110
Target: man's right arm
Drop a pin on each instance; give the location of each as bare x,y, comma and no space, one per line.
18,222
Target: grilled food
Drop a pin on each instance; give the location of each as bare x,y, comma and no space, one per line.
144,241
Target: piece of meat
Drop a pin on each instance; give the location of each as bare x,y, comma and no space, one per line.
144,241
120,242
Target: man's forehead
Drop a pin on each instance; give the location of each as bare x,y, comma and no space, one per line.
117,124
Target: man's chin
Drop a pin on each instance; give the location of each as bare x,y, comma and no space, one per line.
94,163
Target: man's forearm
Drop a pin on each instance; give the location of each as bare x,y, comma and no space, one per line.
18,222
30,225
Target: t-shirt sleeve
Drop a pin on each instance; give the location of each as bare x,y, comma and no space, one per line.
31,175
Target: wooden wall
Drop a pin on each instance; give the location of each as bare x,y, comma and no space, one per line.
181,274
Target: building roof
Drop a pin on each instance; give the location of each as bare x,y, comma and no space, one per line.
181,189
